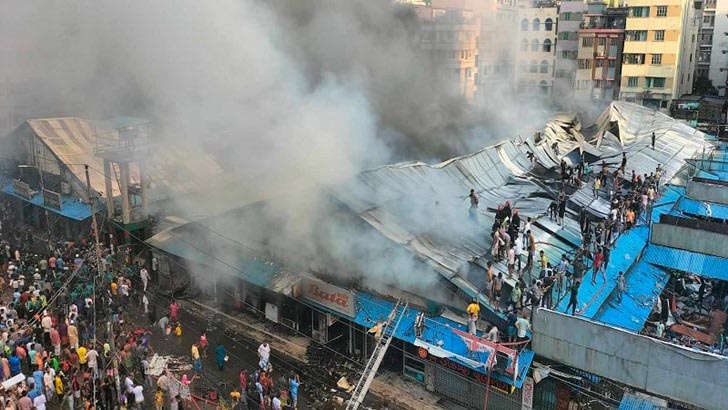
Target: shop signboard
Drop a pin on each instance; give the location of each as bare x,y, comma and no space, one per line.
22,189
51,199
527,394
328,295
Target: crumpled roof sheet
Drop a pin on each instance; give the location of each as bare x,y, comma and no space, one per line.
414,204
171,170
73,140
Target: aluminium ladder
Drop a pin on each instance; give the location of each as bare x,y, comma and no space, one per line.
362,387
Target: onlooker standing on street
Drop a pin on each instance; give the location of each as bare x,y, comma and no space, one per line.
220,356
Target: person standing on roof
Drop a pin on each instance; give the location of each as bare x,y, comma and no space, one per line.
653,140
573,298
597,266
562,208
473,212
531,250
621,286
473,313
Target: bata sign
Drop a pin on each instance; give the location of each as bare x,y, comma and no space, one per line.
328,295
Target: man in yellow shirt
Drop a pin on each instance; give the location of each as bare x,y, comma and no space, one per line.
196,362
82,359
473,313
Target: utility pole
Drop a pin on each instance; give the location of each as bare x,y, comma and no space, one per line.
99,267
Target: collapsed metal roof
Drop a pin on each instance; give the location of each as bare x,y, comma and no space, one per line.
423,208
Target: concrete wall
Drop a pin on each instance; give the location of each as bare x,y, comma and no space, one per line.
702,191
695,240
659,368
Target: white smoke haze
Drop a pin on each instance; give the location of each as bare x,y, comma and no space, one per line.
288,95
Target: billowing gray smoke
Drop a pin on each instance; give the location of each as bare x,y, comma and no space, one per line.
287,94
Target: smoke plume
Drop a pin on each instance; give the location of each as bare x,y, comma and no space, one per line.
286,94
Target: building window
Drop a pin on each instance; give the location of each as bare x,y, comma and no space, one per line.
632,81
636,35
639,11
584,64
547,45
661,11
659,35
564,54
544,87
564,35
544,67
548,24
656,59
587,41
566,16
534,45
524,25
524,45
631,58
655,82
533,67
536,24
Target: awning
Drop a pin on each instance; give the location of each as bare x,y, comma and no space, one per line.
637,401
70,207
708,266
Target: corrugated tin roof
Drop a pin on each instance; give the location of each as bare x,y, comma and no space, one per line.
73,140
644,286
632,401
171,170
686,261
700,208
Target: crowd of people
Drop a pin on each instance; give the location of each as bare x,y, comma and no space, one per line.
630,201
76,330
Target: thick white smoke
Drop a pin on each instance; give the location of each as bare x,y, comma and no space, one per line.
287,94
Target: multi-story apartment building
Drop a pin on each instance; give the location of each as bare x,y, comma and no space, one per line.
658,62
718,67
571,16
450,37
536,47
705,39
601,41
496,45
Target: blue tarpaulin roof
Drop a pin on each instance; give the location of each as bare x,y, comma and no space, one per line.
643,289
698,263
644,282
700,208
633,402
70,207
438,331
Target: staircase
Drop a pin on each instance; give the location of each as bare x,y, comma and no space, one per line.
362,387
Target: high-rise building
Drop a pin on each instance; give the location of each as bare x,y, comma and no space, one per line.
658,61
571,16
536,47
601,40
718,36
705,39
450,37
496,45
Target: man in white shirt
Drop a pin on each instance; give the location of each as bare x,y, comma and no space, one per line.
660,330
145,302
92,359
145,277
128,385
264,354
522,326
276,403
39,402
139,396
